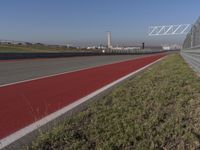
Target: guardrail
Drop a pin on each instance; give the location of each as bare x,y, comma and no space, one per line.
7,56
192,56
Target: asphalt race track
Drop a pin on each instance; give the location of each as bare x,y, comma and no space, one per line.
19,70
24,103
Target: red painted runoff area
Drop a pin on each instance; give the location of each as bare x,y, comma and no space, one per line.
24,103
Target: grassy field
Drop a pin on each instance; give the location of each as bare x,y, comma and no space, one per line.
34,48
158,109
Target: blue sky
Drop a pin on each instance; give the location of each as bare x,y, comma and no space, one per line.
85,22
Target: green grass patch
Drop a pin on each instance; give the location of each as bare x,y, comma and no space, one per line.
34,48
158,109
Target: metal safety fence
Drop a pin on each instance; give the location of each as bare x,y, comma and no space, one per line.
193,37
193,58
191,47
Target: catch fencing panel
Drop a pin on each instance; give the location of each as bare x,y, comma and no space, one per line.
191,46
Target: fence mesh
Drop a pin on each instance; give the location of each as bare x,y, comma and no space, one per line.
193,37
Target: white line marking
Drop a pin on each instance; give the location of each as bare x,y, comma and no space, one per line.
22,132
57,74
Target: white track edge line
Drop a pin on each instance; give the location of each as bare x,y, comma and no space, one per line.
28,129
57,74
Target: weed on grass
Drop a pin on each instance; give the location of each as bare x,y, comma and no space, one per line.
158,109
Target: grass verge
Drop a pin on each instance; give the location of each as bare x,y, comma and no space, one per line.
35,49
159,109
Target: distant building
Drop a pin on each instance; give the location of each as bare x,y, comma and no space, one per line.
166,47
91,47
127,48
109,40
171,47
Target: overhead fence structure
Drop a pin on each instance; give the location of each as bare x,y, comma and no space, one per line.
169,30
191,46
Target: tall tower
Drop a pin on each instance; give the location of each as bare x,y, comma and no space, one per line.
109,40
